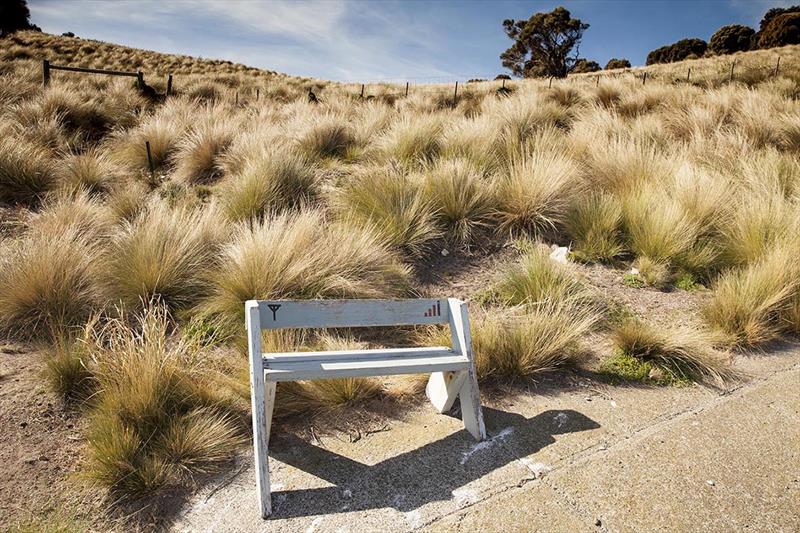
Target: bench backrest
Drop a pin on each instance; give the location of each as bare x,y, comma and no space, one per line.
280,314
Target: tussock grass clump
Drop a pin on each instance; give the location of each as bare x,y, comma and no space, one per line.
48,283
90,171
537,278
535,193
594,223
26,172
514,343
300,256
165,255
198,157
67,367
748,303
158,416
328,136
413,140
462,199
275,181
684,352
392,203
88,216
162,132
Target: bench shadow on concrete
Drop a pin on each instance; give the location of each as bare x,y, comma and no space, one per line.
407,481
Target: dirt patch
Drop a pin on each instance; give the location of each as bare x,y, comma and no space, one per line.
41,449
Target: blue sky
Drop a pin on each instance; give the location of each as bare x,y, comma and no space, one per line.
361,40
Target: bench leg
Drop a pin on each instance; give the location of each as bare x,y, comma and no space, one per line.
442,389
262,425
471,412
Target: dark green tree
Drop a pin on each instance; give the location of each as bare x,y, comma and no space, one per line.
678,51
543,44
618,63
14,16
584,65
781,30
730,39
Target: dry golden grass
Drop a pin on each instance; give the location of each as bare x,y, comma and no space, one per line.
281,198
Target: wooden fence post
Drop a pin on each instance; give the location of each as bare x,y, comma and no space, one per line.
777,66
504,83
237,98
45,72
406,89
688,74
258,93
169,85
140,79
730,76
597,81
362,90
455,95
550,83
150,160
644,78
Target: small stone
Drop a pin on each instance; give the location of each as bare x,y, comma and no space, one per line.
635,271
711,482
43,458
23,424
656,374
445,253
347,493
598,522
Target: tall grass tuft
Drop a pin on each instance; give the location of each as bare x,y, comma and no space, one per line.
537,278
164,255
462,199
748,303
685,352
594,223
48,283
394,204
26,172
274,181
301,256
535,193
158,416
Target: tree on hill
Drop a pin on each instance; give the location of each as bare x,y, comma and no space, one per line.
678,51
618,63
781,30
585,65
15,16
730,39
774,12
543,44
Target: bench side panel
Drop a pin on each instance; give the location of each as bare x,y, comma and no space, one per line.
278,314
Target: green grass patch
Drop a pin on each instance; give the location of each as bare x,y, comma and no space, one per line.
622,367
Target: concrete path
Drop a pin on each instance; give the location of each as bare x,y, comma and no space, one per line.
593,458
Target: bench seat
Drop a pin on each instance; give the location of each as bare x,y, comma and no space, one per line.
357,363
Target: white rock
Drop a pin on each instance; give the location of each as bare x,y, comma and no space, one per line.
445,253
635,271
559,254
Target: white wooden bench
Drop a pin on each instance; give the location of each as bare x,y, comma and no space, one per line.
452,369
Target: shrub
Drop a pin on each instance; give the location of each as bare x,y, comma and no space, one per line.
274,181
731,39
48,283
585,65
678,51
535,193
393,204
685,352
301,256
158,415
461,198
163,255
594,223
26,172
615,63
782,30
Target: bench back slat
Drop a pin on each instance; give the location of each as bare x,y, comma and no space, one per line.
280,314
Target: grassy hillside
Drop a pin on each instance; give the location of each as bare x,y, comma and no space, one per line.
132,281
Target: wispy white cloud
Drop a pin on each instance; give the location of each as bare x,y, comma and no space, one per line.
346,40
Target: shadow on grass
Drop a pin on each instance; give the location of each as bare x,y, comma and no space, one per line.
427,474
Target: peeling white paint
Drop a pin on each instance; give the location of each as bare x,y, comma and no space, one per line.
488,443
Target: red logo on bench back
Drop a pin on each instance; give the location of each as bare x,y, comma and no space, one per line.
435,310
